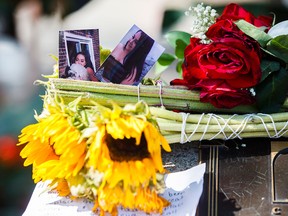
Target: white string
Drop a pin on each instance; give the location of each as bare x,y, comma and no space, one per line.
265,127
206,127
183,133
138,91
280,133
272,121
221,128
240,128
234,133
197,126
159,83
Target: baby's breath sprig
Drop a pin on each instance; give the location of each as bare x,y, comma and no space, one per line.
202,18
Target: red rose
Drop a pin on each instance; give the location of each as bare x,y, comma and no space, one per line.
228,58
235,12
226,67
228,29
223,28
181,82
190,62
221,95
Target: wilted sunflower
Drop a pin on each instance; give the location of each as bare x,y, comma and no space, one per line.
111,156
126,150
53,145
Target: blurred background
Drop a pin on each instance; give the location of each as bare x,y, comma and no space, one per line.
29,34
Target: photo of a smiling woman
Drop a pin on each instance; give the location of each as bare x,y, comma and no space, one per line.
126,63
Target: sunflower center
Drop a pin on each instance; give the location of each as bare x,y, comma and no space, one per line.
126,149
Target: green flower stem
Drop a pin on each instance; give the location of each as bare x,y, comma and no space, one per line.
175,138
205,127
233,120
173,98
121,100
203,117
189,128
110,88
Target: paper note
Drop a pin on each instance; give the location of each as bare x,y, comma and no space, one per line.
183,191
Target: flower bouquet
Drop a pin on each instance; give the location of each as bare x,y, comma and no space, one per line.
102,141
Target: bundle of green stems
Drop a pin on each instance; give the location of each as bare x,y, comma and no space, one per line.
179,113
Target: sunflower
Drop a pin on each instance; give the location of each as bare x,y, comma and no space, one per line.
109,155
127,151
53,145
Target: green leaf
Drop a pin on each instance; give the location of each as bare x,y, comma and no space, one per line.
159,69
179,49
166,59
179,66
279,47
268,67
258,34
271,93
179,41
173,37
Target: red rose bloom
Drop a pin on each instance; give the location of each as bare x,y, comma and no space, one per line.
235,12
223,28
191,71
228,58
228,29
229,64
221,95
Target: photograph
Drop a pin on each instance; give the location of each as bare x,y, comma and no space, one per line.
131,59
79,55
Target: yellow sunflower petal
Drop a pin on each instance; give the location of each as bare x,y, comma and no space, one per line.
63,188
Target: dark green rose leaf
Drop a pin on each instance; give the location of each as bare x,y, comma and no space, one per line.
166,59
173,36
279,47
164,62
258,34
268,67
179,66
180,47
271,93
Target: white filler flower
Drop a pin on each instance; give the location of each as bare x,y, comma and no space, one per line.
202,19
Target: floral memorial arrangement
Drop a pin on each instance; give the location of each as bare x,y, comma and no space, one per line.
102,141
